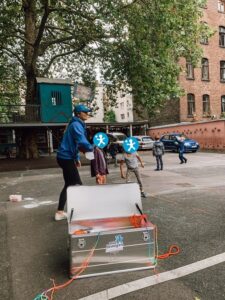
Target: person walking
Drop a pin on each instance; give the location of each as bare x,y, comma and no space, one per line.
181,149
131,161
158,151
99,167
68,158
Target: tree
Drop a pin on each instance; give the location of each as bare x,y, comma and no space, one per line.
159,33
39,33
137,43
44,34
9,88
110,116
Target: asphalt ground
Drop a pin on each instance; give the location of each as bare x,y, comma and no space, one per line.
186,202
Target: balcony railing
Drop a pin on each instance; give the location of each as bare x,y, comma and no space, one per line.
19,113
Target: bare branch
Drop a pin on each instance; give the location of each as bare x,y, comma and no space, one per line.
8,52
20,31
23,39
45,45
41,30
60,29
61,55
70,10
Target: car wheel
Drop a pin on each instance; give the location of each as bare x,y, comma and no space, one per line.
194,151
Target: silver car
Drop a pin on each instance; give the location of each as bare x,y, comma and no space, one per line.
145,142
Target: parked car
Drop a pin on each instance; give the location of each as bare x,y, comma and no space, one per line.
145,142
169,141
118,138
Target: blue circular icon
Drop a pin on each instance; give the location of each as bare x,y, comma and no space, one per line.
130,145
100,140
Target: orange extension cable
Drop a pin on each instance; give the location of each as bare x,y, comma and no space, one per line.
173,249
139,221
51,291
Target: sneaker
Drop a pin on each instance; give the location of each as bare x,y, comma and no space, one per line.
60,216
143,195
156,169
185,160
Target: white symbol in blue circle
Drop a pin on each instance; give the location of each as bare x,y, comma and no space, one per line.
130,145
101,139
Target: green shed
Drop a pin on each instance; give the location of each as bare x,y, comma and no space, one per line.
55,100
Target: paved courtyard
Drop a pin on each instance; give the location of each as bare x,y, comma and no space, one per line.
186,202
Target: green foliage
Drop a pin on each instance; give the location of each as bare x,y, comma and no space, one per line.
9,88
137,44
110,117
159,33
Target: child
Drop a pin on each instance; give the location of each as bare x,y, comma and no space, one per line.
131,161
99,167
181,149
158,151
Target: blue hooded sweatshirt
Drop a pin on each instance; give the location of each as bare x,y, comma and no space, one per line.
74,139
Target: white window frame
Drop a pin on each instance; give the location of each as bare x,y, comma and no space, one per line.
220,6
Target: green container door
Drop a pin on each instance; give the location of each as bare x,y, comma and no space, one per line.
56,102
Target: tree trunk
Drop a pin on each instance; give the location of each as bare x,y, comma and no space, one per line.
29,147
26,142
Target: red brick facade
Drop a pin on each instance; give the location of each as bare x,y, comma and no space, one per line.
213,87
210,135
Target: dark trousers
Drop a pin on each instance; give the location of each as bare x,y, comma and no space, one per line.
181,156
159,162
71,177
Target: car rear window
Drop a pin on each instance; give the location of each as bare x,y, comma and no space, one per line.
146,139
120,137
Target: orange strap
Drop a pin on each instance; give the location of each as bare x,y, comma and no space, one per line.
173,250
80,231
138,220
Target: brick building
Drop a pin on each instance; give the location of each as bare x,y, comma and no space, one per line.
204,86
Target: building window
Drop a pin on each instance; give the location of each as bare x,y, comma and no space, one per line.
56,98
222,70
223,104
222,36
122,105
220,6
206,104
122,116
205,69
191,104
128,114
190,70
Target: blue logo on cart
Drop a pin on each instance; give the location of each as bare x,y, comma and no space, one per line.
115,246
119,239
130,145
100,140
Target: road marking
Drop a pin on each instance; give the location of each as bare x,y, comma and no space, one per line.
156,279
37,204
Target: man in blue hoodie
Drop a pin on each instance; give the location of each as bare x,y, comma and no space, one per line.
68,158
